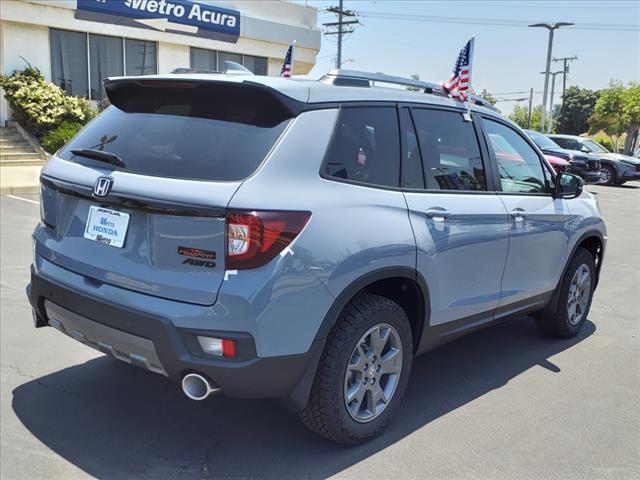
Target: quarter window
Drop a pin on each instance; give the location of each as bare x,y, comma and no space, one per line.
365,146
519,165
450,152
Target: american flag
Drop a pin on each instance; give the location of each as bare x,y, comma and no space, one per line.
460,78
287,65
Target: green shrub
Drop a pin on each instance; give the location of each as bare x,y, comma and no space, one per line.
40,106
55,139
604,140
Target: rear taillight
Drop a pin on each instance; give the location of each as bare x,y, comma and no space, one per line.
256,237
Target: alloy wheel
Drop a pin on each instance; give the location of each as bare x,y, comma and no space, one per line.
579,291
373,373
605,176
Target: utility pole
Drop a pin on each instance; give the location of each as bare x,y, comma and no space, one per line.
551,27
340,28
530,106
553,87
565,69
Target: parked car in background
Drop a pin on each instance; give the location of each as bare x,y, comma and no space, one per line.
558,164
615,168
588,168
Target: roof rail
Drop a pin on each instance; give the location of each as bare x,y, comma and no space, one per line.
356,78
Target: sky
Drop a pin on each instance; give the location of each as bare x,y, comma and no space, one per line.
508,57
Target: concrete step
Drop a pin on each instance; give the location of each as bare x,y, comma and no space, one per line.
11,138
26,162
16,148
9,157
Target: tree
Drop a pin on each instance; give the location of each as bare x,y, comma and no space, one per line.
488,97
579,104
414,76
520,115
617,111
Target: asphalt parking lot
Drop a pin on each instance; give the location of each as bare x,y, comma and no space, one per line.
502,403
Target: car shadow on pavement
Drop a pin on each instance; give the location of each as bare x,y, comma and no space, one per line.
116,421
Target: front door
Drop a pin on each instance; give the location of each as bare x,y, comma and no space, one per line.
538,223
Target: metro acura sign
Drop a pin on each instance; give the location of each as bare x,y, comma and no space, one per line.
180,16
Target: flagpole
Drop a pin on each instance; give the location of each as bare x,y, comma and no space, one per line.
293,55
471,49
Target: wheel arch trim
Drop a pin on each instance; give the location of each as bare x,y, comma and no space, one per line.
551,307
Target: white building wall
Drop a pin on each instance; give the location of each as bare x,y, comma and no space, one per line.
266,29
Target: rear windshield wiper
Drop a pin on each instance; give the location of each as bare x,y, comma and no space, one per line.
99,155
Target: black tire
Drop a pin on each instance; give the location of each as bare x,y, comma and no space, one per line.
326,413
558,323
613,180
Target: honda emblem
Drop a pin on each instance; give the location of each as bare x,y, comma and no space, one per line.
103,186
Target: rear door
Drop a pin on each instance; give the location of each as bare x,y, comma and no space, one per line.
156,222
538,223
460,224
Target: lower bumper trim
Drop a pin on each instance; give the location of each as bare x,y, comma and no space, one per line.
124,346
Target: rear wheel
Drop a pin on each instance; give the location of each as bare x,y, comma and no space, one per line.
574,301
363,372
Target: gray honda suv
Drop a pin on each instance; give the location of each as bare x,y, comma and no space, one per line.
304,240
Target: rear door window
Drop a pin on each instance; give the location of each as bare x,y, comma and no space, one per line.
450,152
219,134
365,146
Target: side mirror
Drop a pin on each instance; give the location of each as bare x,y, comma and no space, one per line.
568,185
584,149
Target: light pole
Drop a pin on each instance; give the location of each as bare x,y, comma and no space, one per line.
553,87
551,27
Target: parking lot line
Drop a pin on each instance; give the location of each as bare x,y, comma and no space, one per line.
23,199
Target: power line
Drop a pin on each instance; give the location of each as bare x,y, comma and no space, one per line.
493,22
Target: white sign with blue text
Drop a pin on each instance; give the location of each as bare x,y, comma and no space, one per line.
179,16
106,226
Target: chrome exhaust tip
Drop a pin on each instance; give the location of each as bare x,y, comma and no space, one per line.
197,387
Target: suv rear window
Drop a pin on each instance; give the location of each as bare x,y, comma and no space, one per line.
185,131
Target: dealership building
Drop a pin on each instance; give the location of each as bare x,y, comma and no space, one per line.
77,43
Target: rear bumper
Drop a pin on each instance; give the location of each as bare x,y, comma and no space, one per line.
154,343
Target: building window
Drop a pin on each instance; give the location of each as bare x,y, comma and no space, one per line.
214,61
80,72
204,59
69,61
141,57
257,65
105,60
228,57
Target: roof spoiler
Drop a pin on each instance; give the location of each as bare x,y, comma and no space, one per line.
128,93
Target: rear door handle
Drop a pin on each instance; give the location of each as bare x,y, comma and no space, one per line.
437,214
518,213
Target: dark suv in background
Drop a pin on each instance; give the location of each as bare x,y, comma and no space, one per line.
588,168
615,170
